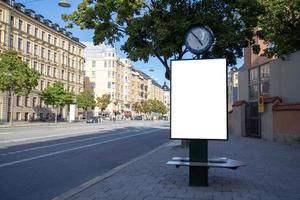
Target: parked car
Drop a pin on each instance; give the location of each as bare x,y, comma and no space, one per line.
138,117
94,120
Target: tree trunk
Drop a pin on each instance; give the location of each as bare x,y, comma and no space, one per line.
11,108
56,111
86,115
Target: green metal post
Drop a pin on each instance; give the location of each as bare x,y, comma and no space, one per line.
198,152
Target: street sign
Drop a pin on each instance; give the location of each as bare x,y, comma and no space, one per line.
261,106
199,99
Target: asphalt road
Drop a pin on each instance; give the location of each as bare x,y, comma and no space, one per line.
49,167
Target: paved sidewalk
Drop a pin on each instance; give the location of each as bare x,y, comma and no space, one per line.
272,172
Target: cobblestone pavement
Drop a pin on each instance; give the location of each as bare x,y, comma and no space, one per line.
272,172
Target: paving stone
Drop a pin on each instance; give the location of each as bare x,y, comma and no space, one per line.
272,172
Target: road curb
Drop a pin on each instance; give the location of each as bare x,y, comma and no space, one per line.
108,174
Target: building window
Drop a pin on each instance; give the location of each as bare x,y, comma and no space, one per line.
43,35
105,64
35,65
54,72
34,102
20,43
62,74
94,63
72,77
54,55
55,41
63,44
93,74
109,85
49,54
18,101
93,85
42,85
20,25
28,28
49,38
27,101
1,14
28,47
18,116
48,70
35,49
42,69
36,32
11,41
27,62
12,20
259,81
42,52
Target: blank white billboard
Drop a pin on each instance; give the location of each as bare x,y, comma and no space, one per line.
199,99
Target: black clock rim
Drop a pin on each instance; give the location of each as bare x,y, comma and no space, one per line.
211,39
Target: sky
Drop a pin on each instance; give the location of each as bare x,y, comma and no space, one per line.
50,10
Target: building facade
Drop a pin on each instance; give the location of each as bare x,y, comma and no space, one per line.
108,74
233,81
276,80
45,47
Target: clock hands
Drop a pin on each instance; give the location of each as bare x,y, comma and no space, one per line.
196,38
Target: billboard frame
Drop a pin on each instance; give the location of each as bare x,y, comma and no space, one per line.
227,128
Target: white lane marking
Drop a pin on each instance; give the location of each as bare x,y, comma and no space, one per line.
59,144
5,133
58,135
44,137
72,149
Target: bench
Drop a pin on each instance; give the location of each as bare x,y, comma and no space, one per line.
213,162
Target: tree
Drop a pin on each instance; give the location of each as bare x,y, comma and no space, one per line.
16,77
85,100
57,96
137,107
280,27
103,102
156,28
154,105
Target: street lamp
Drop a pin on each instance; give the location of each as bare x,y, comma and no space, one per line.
64,3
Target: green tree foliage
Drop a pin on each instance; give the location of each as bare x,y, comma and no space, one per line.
153,105
138,107
57,96
103,102
85,100
15,75
280,26
156,28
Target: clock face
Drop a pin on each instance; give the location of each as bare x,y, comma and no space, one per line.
198,39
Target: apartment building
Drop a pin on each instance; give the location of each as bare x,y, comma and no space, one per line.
45,47
108,74
143,87
139,86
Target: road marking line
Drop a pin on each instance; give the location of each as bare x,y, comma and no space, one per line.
5,133
58,144
72,149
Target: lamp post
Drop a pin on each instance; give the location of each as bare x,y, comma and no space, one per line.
64,4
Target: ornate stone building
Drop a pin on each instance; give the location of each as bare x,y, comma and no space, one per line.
45,47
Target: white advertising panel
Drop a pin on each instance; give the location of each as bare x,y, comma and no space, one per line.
199,99
72,112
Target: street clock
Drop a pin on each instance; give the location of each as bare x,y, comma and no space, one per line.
198,39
